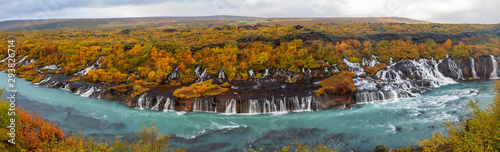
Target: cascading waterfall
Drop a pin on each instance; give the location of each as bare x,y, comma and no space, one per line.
253,107
473,68
197,104
147,102
266,73
202,76
221,74
158,100
21,60
367,96
44,81
251,74
175,74
88,93
29,62
269,106
169,105
367,62
141,99
66,87
203,105
306,103
51,67
295,103
455,69
231,107
283,106
400,80
84,72
355,67
494,62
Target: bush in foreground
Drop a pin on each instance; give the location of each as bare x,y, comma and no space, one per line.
480,133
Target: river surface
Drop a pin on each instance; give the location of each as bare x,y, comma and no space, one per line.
394,123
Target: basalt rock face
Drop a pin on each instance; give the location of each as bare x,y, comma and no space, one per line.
462,69
275,92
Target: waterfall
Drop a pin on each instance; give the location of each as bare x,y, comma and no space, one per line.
306,103
266,73
158,100
147,102
494,62
455,69
202,76
66,87
269,106
197,104
295,103
334,68
21,60
28,62
367,62
283,105
175,74
51,67
169,105
355,67
221,74
88,93
43,81
473,68
402,79
84,71
203,105
251,74
368,96
197,71
253,107
231,106
141,99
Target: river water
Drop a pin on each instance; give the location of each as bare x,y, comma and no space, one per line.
394,123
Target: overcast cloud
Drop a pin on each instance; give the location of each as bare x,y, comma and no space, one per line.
444,11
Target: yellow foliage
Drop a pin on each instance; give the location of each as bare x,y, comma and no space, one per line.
205,88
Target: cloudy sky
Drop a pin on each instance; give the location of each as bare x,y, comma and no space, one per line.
444,11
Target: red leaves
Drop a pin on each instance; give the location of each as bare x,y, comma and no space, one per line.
36,132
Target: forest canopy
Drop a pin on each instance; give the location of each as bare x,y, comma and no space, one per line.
151,55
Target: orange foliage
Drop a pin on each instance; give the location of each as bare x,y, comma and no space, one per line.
205,88
36,132
100,75
338,84
372,70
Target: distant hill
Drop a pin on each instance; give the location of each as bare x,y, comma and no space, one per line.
173,22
